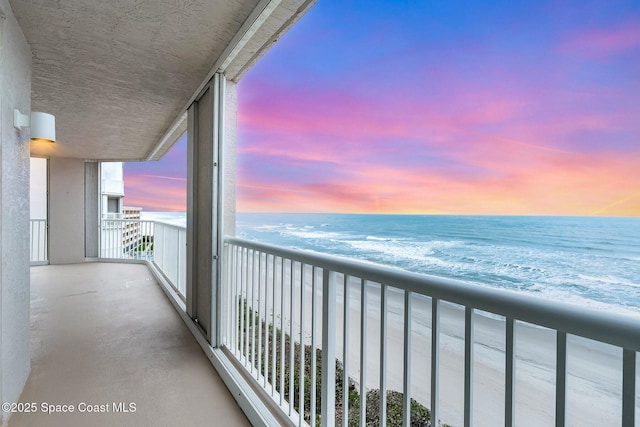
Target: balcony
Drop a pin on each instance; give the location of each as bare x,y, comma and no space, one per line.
390,330
102,331
163,70
105,334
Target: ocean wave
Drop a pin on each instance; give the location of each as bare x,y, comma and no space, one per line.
382,239
608,280
267,227
416,256
312,234
550,261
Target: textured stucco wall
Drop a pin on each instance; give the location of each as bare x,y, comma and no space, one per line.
66,210
15,92
229,153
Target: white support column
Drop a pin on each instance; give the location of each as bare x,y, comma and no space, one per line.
66,211
210,201
15,92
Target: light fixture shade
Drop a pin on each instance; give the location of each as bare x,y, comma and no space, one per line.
43,126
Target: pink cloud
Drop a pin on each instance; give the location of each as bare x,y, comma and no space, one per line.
551,183
156,193
605,42
510,143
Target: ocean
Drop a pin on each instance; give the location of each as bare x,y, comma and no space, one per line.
590,261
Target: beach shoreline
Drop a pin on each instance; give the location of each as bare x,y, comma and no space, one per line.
594,370
594,377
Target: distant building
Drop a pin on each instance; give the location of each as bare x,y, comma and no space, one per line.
122,231
112,194
131,228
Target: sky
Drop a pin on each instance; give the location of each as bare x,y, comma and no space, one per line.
436,107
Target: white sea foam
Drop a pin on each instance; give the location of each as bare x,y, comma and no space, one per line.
268,227
546,257
312,234
381,239
173,218
608,280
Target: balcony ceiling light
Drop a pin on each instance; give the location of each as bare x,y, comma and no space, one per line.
43,125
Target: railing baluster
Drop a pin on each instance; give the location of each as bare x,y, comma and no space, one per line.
229,295
406,377
561,378
164,250
226,279
240,302
273,326
233,298
260,315
345,353
178,258
435,356
303,277
282,334
245,313
363,352
468,366
628,388
292,337
383,355
328,399
43,230
38,253
509,415
266,321
111,249
314,380
252,316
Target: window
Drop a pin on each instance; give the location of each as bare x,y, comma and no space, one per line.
113,205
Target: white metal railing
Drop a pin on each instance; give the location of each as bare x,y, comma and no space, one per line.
275,296
158,242
126,239
38,241
113,215
170,253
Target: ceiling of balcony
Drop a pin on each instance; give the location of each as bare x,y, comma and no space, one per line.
118,74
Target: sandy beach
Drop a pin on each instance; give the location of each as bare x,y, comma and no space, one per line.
594,380
594,369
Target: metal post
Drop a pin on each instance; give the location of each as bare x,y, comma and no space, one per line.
435,356
406,389
561,378
328,396
509,415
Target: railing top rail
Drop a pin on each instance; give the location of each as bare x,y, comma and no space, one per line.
127,220
611,328
168,224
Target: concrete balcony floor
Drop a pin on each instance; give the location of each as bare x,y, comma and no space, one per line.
105,334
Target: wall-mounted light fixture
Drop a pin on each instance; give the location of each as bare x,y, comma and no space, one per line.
43,125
